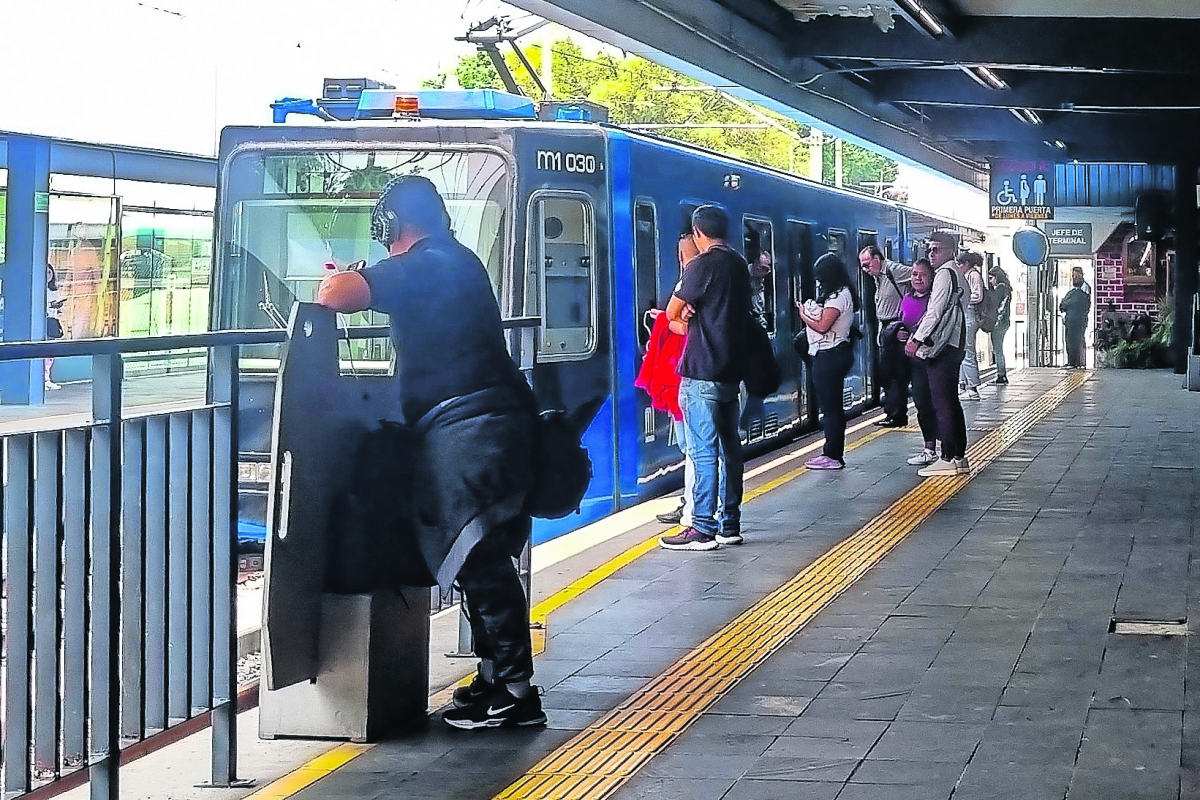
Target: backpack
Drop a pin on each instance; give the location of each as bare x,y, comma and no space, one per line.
562,469
988,310
763,374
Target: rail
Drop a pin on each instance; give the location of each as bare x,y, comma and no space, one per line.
119,603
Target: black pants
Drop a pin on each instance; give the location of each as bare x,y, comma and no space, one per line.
496,604
895,373
926,413
829,371
1076,354
942,373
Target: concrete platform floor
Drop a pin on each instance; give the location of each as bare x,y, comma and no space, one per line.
975,661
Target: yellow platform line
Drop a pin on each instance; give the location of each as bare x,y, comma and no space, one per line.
310,773
539,615
596,762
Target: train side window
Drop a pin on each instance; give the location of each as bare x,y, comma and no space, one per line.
561,249
758,245
836,242
800,259
646,267
866,239
799,266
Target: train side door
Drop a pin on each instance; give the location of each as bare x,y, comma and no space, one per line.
648,294
869,319
855,390
801,287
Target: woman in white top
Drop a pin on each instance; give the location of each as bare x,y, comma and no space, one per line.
829,319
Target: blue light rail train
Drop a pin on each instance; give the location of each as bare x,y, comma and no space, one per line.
576,223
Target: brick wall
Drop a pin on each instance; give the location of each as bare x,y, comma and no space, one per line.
1134,299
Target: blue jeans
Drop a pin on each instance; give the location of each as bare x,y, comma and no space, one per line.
710,414
689,476
998,335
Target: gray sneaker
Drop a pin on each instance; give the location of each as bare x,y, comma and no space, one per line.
962,466
922,459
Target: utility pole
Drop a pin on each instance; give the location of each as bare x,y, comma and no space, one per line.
547,60
816,154
837,163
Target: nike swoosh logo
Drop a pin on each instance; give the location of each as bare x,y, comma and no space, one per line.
493,711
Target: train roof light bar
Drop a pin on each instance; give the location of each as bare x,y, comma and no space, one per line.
921,15
1026,115
984,76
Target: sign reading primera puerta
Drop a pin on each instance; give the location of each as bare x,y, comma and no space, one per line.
1022,190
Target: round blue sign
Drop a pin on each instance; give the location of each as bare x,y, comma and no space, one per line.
1030,246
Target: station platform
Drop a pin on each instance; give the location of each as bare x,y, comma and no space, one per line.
878,635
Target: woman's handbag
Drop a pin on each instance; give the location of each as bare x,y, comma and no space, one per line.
800,343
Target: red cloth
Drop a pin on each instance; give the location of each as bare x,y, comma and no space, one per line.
657,375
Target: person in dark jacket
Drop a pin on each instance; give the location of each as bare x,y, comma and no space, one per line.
1002,287
1075,306
474,415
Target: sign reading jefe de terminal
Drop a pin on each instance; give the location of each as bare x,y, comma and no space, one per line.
1022,190
1069,238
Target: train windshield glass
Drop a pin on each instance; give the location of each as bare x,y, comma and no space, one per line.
292,213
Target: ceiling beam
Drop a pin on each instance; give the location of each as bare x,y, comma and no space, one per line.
1143,45
1155,138
1040,90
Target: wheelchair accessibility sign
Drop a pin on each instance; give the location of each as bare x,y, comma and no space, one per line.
1022,190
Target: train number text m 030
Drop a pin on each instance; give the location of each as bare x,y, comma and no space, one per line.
558,161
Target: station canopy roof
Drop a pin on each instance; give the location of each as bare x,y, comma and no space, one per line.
948,84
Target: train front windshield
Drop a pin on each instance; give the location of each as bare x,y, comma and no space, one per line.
287,214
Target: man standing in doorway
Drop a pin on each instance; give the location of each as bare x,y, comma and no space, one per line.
711,303
892,367
1075,306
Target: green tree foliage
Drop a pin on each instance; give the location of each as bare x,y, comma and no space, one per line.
639,92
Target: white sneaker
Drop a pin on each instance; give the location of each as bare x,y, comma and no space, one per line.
922,458
962,466
969,394
939,469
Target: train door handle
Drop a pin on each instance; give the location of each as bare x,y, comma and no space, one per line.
285,494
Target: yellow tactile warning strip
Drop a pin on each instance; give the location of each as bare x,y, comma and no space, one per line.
539,615
306,775
310,773
600,759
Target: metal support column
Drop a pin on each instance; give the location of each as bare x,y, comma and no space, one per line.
1186,277
26,253
107,372
223,393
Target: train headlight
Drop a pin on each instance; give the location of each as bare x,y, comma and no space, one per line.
254,472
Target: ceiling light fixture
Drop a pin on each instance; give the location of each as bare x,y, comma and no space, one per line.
1027,115
927,21
984,76
1055,145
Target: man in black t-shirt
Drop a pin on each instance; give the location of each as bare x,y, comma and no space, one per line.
474,414
711,304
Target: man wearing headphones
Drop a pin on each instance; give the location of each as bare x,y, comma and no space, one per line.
474,414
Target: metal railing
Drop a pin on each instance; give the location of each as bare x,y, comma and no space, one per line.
119,567
120,571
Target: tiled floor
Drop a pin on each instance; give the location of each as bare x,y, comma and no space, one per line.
973,662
